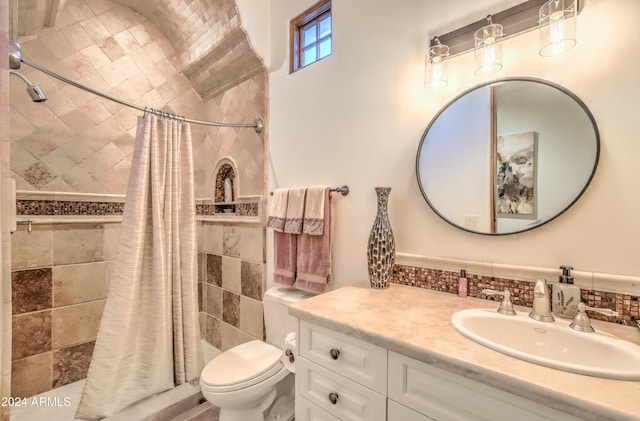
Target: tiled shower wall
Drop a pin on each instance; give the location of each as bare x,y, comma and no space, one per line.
232,280
60,275
59,280
76,142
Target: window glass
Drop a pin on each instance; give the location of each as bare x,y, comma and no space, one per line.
311,36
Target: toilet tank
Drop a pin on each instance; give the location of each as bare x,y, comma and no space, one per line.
277,320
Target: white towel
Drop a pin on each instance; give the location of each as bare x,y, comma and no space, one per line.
295,210
278,210
313,221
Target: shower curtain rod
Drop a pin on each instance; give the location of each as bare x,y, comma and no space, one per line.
257,125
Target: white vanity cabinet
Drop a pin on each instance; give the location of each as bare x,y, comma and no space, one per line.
443,396
339,377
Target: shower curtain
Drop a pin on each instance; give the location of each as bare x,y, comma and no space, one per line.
149,336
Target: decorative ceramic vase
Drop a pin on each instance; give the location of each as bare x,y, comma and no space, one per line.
381,250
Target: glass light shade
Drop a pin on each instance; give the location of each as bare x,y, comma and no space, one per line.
557,25
436,66
488,48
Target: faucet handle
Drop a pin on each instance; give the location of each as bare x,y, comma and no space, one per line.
581,321
506,306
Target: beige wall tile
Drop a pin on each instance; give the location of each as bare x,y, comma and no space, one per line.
76,324
203,325
212,238
231,277
251,317
74,284
111,237
231,241
78,244
34,249
213,332
232,336
252,244
31,375
213,300
108,270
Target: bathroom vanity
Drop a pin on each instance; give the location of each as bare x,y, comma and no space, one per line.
366,354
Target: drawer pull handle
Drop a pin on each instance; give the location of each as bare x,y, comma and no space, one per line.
335,353
333,398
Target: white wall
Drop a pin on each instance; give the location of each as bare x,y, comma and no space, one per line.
356,118
255,18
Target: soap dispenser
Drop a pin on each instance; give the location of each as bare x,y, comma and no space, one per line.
565,295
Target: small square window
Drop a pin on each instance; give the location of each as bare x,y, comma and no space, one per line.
311,36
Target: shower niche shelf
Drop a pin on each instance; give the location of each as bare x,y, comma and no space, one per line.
227,208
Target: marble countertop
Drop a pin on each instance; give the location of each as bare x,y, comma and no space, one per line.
416,323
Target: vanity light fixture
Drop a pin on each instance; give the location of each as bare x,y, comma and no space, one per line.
557,25
488,48
555,20
436,65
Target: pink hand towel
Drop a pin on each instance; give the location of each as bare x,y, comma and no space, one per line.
314,253
285,248
284,244
278,210
295,210
313,220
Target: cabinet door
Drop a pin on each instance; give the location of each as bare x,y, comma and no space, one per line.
360,361
397,412
341,397
306,411
444,396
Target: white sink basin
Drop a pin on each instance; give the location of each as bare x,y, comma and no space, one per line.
553,345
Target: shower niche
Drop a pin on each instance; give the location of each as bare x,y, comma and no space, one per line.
225,198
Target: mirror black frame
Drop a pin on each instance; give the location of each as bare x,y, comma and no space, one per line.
564,90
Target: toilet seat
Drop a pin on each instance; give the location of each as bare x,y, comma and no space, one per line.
241,366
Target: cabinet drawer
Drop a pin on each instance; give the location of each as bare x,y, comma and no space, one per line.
306,411
397,412
352,401
444,396
358,360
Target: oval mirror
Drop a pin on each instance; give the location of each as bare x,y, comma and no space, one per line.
507,156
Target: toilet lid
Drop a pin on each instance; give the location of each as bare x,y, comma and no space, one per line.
242,365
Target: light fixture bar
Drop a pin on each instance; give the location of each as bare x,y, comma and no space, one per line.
520,18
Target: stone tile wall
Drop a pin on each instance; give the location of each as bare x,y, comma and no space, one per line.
232,281
77,142
59,281
60,275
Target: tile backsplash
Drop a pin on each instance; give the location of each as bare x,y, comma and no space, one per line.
441,274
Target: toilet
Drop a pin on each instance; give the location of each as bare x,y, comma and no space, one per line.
249,382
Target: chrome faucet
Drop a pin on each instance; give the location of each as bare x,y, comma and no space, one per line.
581,321
541,310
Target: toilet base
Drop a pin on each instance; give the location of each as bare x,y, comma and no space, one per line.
278,405
283,408
251,414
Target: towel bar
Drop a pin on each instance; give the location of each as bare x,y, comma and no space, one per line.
343,190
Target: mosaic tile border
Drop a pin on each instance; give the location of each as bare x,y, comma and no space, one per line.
627,306
59,207
91,208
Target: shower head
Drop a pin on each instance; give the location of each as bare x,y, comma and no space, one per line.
15,56
34,91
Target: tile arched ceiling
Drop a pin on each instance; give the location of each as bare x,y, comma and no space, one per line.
212,46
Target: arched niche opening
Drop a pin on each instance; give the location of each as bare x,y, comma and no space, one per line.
225,196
